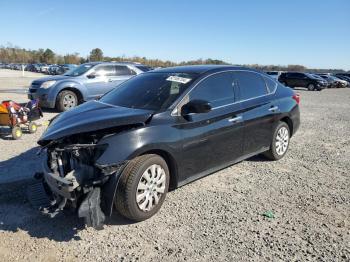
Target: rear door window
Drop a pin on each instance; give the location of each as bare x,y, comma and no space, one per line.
123,71
251,85
218,89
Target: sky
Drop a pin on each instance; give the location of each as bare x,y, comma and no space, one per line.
312,33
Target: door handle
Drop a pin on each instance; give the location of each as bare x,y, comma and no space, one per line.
235,119
273,108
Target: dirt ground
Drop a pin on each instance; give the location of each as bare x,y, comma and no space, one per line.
219,217
15,153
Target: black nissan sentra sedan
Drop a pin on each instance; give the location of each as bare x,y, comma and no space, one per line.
161,130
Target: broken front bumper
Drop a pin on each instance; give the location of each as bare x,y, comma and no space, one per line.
59,185
62,191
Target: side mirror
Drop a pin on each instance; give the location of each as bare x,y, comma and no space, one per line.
91,76
196,107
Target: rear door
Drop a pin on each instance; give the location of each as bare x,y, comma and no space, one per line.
215,138
259,109
292,79
301,80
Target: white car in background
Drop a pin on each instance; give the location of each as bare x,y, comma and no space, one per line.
274,74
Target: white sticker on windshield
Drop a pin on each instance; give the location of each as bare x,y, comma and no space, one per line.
179,79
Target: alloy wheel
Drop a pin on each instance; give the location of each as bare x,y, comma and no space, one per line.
282,141
69,101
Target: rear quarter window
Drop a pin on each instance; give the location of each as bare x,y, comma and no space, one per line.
270,84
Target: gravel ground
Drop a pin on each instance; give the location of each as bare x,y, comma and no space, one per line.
218,217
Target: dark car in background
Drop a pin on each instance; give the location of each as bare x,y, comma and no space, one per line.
306,80
161,130
345,78
333,81
343,74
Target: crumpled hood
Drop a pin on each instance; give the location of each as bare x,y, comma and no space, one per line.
92,116
50,78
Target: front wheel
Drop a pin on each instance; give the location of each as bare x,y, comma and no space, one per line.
142,187
280,142
66,100
16,132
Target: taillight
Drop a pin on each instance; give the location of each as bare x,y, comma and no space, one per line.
296,97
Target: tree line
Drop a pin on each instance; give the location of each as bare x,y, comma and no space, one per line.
15,54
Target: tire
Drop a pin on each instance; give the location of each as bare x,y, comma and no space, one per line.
16,132
311,87
32,127
275,152
66,100
133,184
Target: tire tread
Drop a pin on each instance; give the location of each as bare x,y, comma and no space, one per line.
127,179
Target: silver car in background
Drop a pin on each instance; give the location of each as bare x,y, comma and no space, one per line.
83,83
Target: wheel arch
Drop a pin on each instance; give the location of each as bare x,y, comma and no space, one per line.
76,91
171,162
74,86
289,122
109,189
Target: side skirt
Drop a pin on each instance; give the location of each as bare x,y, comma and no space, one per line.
217,168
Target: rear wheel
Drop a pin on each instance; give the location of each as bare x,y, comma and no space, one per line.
311,87
66,100
142,187
16,132
280,142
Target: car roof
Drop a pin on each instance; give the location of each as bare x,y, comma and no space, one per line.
200,69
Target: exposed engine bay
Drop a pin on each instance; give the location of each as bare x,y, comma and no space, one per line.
72,179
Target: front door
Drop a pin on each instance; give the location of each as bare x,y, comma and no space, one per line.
214,139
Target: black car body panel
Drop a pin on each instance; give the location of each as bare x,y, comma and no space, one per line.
105,137
79,120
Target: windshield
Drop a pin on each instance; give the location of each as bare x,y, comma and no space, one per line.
152,91
144,68
334,78
78,71
314,76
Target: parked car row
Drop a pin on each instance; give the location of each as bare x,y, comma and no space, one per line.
41,68
311,81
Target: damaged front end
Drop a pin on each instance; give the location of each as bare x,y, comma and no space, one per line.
73,180
74,142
